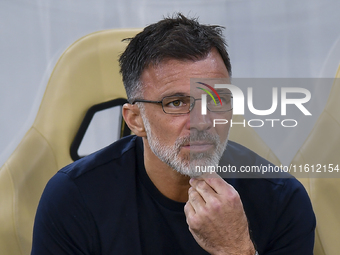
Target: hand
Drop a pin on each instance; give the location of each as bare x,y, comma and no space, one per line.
216,217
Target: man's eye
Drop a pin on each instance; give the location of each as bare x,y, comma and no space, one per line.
226,99
176,103
212,101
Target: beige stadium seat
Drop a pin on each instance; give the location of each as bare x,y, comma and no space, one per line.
86,74
323,147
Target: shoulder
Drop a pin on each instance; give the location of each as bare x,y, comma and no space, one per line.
112,156
238,154
255,170
246,163
110,169
93,179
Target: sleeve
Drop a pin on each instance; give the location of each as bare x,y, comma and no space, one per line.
295,222
63,222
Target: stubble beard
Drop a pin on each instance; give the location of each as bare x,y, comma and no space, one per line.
186,165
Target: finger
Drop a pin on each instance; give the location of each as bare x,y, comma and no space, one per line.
195,199
204,189
220,186
188,209
208,175
191,217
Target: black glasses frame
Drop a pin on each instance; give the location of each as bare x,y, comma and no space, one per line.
190,108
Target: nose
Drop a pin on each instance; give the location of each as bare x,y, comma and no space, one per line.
198,120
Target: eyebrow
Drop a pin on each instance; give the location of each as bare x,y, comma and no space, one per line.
220,90
176,94
223,91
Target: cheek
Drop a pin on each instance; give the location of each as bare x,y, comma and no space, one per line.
223,131
222,127
169,128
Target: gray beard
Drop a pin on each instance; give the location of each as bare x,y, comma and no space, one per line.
186,165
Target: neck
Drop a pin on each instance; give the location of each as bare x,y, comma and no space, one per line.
169,182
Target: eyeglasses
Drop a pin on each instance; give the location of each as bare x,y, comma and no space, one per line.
184,104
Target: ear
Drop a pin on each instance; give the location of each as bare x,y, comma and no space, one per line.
133,119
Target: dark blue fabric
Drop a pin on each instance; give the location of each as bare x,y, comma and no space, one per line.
105,203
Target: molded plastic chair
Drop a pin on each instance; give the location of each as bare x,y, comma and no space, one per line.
323,147
86,74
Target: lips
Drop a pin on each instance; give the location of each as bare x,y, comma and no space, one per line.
199,146
198,141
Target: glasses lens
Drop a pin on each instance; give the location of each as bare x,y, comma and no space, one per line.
215,105
176,104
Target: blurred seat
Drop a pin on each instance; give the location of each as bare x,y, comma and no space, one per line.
86,75
322,146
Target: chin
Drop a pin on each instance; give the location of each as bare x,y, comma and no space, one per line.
189,173
192,168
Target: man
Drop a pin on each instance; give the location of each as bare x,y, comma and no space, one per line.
143,195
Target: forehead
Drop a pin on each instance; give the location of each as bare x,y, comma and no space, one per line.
198,85
173,76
